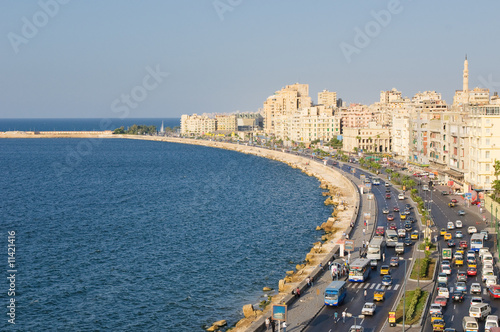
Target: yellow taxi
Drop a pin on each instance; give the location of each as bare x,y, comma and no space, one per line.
447,236
459,260
438,325
461,251
472,262
443,231
402,216
384,269
436,316
379,295
414,235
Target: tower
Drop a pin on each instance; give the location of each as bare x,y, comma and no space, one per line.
466,75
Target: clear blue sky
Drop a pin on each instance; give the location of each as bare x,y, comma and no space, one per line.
83,59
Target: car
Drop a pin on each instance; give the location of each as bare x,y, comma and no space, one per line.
376,182
442,232
380,230
475,288
462,276
458,224
459,235
408,226
490,281
402,216
368,309
390,217
485,234
401,196
435,308
476,299
491,321
394,261
450,225
471,254
407,211
461,212
472,230
379,295
494,291
444,192
486,273
408,206
442,277
454,200
450,329
471,271
385,210
471,262
438,325
411,219
373,264
461,287
407,241
443,291
446,269
387,190
388,196
393,226
387,280
401,233
387,184
451,243
447,236
462,244
458,296
445,262
442,301
414,235
384,270
395,209
436,316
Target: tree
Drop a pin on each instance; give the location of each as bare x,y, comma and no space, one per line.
120,130
496,183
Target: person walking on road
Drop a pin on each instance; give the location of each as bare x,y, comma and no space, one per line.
308,280
365,294
273,325
335,317
343,317
268,322
383,257
284,326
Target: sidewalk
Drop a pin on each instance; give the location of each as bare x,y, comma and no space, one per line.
301,312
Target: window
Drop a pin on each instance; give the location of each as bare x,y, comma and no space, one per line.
487,180
487,167
487,141
487,154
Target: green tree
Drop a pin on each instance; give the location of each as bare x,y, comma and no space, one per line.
119,131
496,183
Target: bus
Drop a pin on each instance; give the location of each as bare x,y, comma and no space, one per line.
359,270
375,248
335,293
476,241
391,238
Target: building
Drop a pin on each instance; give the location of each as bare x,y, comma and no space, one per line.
226,123
390,96
355,116
197,124
373,138
462,96
400,136
313,123
327,98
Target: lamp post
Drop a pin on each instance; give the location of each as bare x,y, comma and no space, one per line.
348,314
404,295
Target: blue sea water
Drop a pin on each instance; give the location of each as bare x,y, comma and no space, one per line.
90,124
142,235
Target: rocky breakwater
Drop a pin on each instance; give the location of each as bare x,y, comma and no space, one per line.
340,193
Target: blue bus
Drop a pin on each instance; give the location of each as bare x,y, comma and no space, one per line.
359,270
335,293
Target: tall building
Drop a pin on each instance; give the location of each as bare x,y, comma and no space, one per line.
284,103
327,98
197,124
462,96
226,123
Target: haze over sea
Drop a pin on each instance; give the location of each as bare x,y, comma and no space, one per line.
146,235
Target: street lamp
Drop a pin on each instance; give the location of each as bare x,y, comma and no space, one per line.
404,294
351,315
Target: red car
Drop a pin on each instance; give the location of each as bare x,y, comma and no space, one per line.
476,202
393,226
441,300
454,200
388,196
395,209
463,244
471,271
390,217
380,230
494,291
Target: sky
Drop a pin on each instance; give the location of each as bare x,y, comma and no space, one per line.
138,59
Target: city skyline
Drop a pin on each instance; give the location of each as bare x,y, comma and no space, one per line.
83,60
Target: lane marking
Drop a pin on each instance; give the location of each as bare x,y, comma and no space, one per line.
396,287
452,317
378,286
373,285
367,285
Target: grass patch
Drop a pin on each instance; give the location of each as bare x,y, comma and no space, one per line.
418,309
422,246
429,269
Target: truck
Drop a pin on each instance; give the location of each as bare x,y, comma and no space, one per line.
446,253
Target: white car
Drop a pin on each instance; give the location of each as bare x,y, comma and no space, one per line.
401,232
476,299
472,230
490,280
487,273
491,321
459,224
387,184
435,309
475,288
376,182
443,277
444,292
487,266
446,269
401,196
450,225
368,309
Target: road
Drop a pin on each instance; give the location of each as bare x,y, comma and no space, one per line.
324,321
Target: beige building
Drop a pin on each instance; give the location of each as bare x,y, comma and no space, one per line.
373,138
285,103
400,136
197,124
327,98
314,123
356,116
226,123
390,96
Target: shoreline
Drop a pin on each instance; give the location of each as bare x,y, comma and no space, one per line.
338,189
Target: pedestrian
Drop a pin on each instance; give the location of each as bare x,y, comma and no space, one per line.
383,256
347,236
312,281
336,316
268,322
480,210
364,231
273,325
365,293
284,326
364,244
365,224
321,267
343,316
308,280
297,292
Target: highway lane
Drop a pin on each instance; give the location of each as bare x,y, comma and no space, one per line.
355,291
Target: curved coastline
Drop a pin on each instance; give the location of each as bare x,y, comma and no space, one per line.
330,179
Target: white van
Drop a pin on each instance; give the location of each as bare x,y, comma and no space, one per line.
469,324
479,310
483,251
487,258
491,321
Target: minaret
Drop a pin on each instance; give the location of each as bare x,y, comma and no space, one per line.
466,75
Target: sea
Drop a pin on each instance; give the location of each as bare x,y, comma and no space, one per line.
142,235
